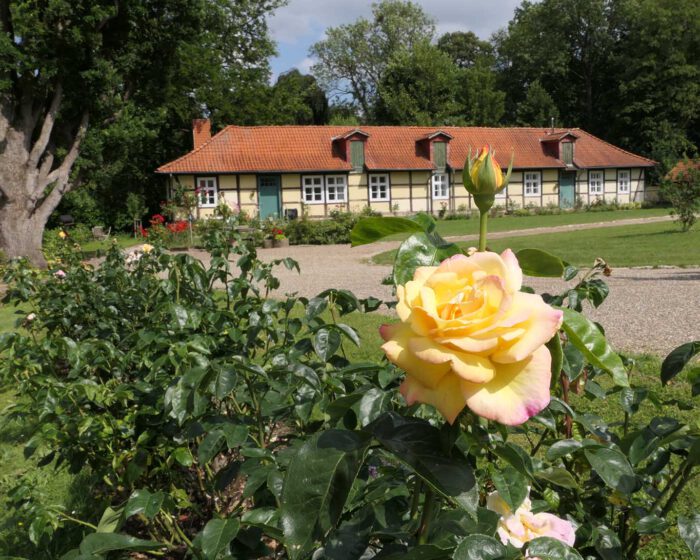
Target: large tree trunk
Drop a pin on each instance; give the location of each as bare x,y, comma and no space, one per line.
30,186
21,233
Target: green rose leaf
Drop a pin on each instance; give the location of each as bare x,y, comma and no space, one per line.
585,336
535,262
326,342
100,543
479,547
558,476
142,501
563,447
210,446
651,525
217,535
613,467
316,486
421,250
511,486
111,520
226,380
350,540
417,443
555,350
677,360
547,548
369,230
689,529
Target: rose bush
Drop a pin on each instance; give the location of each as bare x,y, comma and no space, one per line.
211,421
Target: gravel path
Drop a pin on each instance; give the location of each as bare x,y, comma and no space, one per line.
648,310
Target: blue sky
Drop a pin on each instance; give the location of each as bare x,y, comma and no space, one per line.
301,23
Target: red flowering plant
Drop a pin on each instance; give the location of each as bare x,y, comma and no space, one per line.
278,234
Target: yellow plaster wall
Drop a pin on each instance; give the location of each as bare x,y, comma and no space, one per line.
357,190
227,190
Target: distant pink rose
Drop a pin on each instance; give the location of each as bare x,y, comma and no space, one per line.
469,337
521,526
60,274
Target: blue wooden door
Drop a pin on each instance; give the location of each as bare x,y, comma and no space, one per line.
269,196
567,189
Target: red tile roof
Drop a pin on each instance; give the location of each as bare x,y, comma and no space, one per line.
239,149
681,167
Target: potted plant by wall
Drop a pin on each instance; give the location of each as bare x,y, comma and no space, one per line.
279,239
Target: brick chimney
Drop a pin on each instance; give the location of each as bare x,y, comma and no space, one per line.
201,132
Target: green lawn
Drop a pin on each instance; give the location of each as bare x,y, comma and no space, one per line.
123,240
448,228
653,244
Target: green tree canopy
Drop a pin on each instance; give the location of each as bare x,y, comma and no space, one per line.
538,107
297,99
353,58
418,87
466,49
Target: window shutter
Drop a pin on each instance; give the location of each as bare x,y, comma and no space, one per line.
440,155
357,154
567,152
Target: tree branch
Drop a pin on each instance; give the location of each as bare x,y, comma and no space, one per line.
46,128
62,172
46,165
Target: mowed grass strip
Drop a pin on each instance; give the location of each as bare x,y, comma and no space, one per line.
449,228
655,244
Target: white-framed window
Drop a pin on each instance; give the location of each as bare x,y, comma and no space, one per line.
207,192
623,181
440,186
336,188
595,182
378,187
313,189
532,181
318,189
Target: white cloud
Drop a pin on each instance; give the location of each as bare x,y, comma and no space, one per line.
301,23
305,65
305,21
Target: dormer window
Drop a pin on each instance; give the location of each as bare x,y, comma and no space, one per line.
351,147
560,145
433,146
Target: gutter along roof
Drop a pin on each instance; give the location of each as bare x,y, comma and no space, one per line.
294,149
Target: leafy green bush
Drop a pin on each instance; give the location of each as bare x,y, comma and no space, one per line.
336,230
219,423
683,192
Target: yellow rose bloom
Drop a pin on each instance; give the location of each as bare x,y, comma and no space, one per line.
146,248
469,337
62,234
